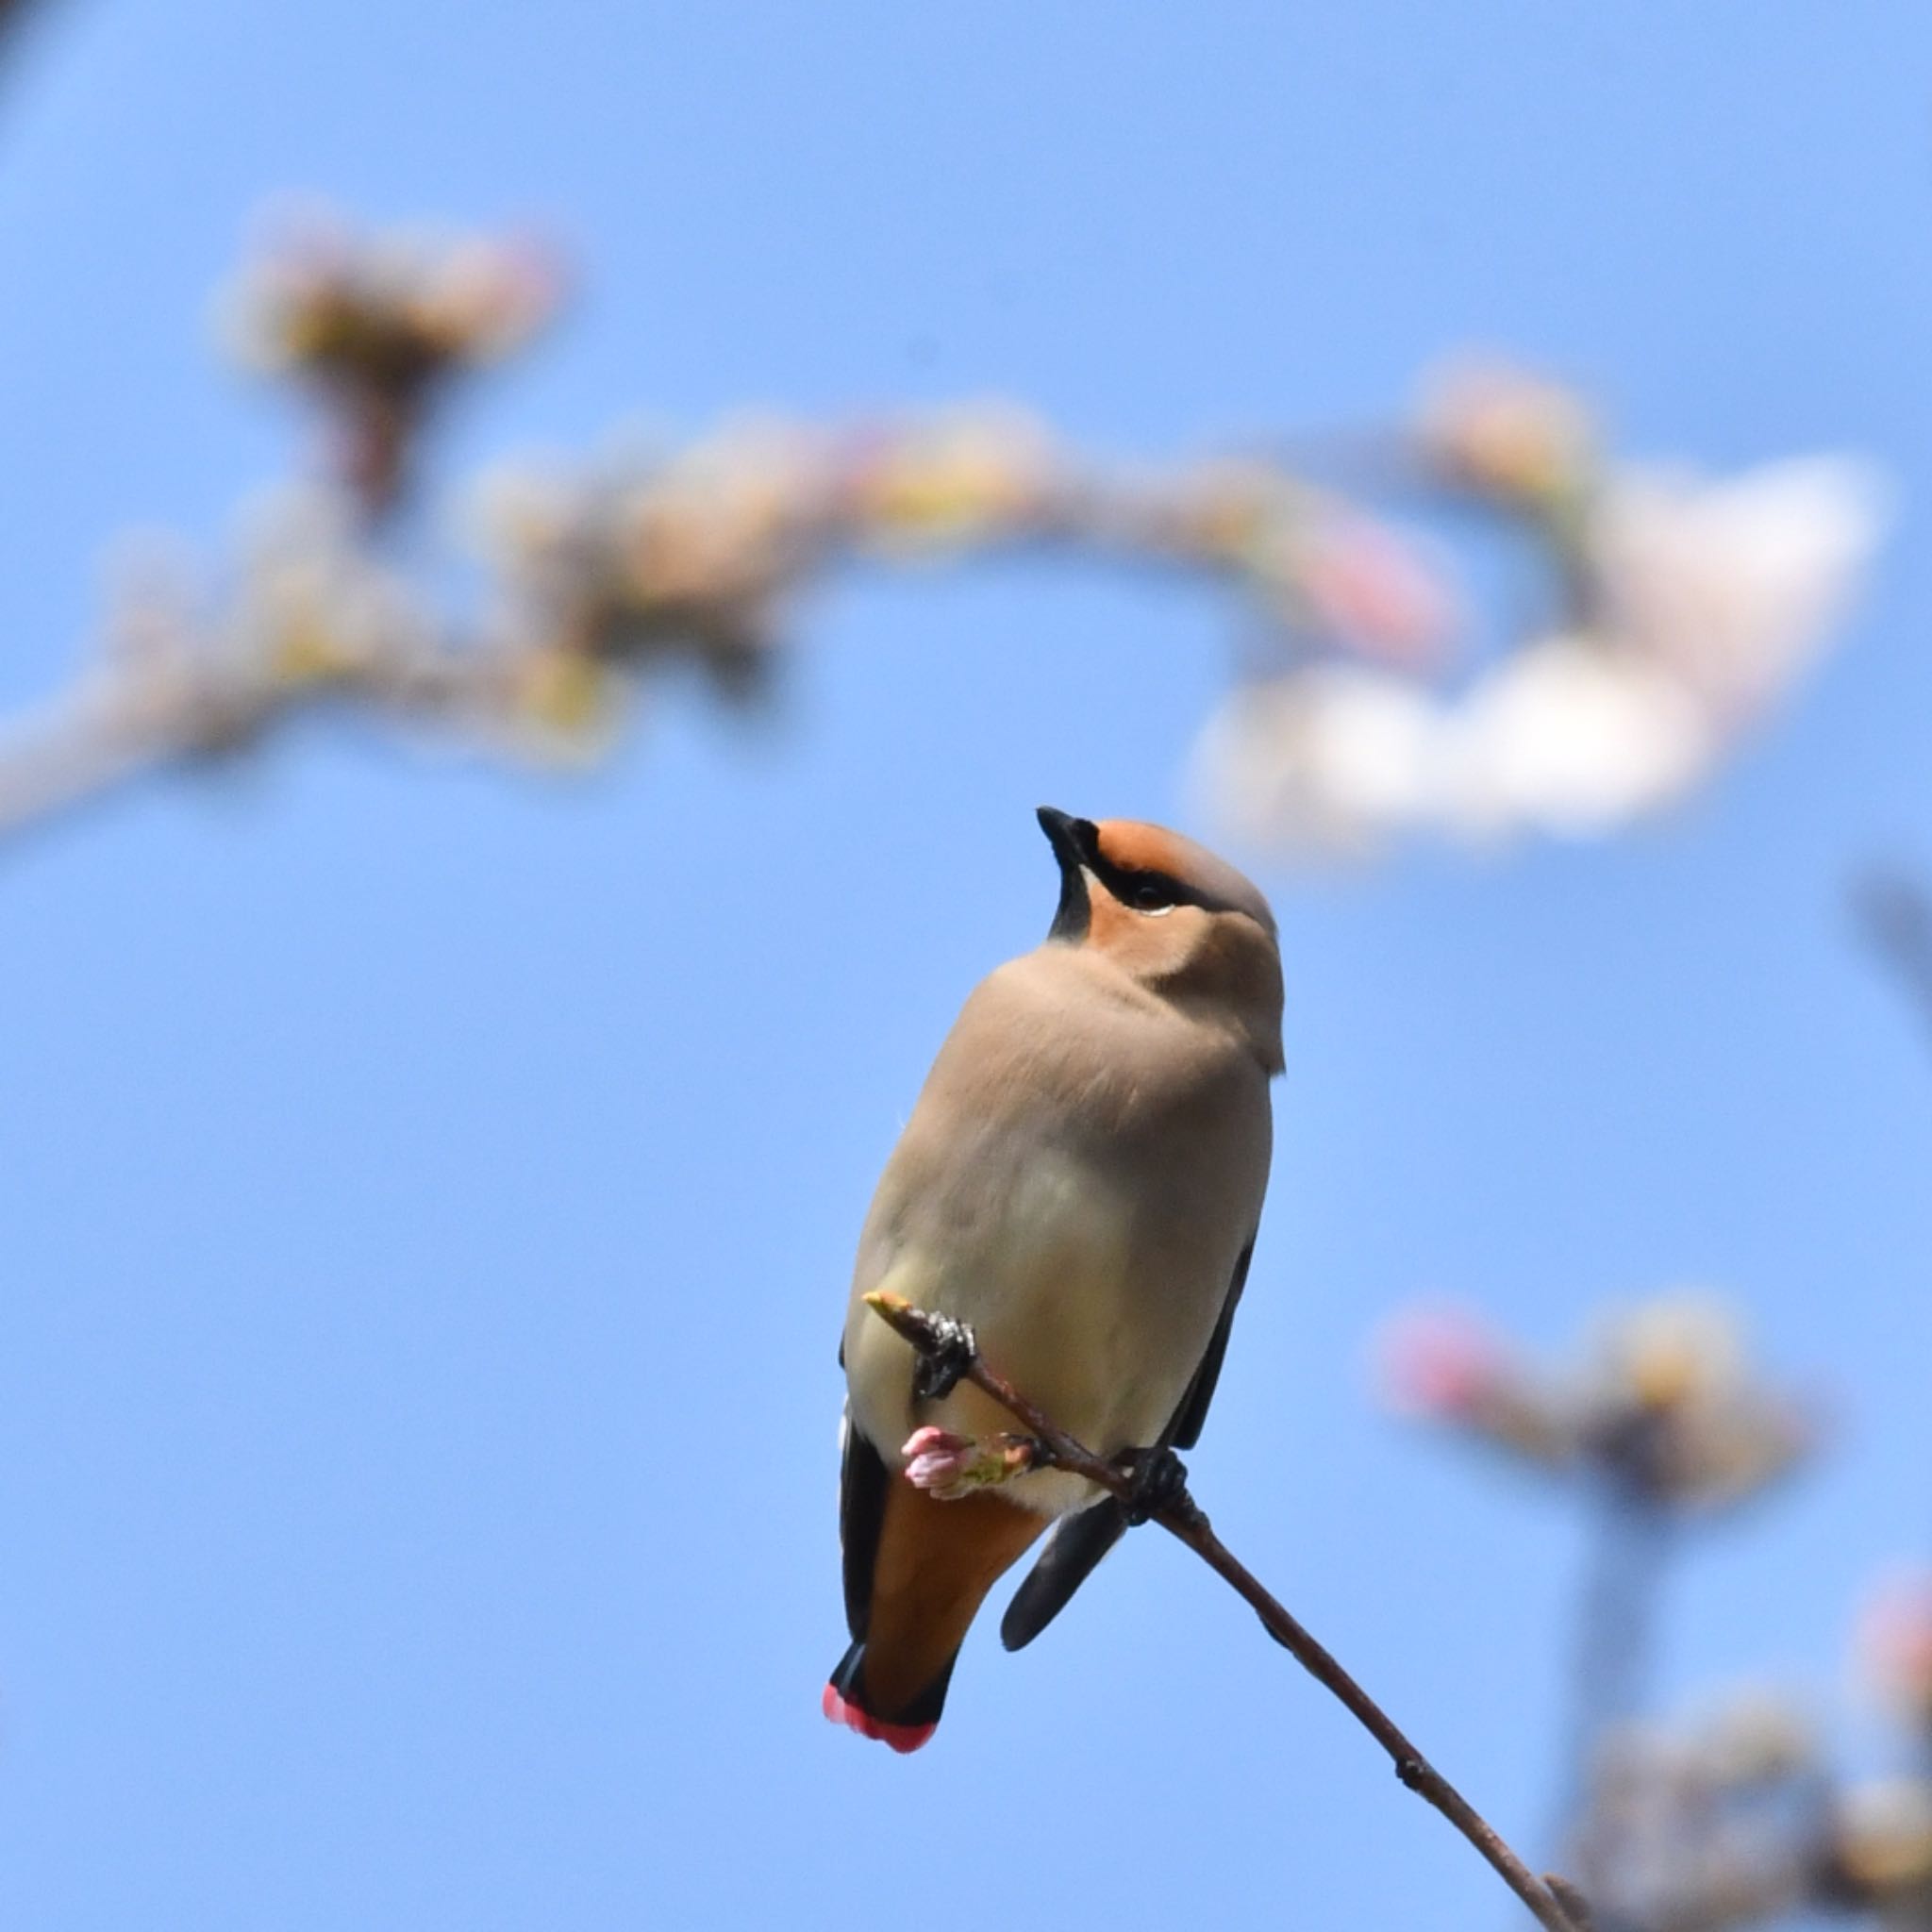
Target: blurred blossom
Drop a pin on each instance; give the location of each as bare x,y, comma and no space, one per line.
1439,1363
1446,1365
1560,738
562,703
1334,760
1672,1353
1664,1403
689,556
699,554
375,325
1689,605
1879,1850
312,606
1758,1735
1732,587
1219,513
1563,737
1499,430
1351,578
1696,606
1668,1402
1894,1647
1313,563
1704,1826
986,473
323,298
307,607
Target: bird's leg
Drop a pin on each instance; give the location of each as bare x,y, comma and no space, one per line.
948,1349
1159,1480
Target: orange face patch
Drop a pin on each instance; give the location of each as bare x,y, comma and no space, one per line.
1111,927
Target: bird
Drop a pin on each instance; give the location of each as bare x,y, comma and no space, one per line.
1080,1180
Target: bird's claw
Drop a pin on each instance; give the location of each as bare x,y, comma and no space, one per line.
1159,1480
950,1349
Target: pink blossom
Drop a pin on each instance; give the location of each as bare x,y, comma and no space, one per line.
1364,585
1895,1642
1440,1362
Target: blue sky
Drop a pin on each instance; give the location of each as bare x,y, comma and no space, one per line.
431,1195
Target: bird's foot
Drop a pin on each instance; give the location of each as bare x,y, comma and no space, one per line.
950,1466
1159,1481
948,1349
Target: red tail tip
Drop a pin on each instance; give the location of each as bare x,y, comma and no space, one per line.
902,1737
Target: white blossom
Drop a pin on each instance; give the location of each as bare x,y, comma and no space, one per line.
1704,602
1331,759
1734,587
1566,737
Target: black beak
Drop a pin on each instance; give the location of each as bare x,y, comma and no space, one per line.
1074,843
1070,838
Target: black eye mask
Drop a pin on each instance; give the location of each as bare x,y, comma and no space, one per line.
1077,845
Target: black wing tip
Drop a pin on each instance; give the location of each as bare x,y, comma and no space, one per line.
863,1486
1071,1555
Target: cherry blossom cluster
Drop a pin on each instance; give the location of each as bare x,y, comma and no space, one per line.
1681,610
1662,1402
1735,1817
704,551
377,326
1738,1818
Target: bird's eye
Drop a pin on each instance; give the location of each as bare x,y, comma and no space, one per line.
1150,892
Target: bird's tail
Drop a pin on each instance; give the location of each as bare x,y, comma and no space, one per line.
903,1726
914,1586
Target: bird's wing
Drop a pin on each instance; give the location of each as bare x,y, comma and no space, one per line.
862,1484
1078,1543
1071,1554
1185,1430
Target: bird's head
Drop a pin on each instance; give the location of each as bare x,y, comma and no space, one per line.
1173,917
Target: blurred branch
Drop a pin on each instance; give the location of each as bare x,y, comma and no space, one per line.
1678,611
12,12
1619,1614
1616,1622
1894,912
1555,1903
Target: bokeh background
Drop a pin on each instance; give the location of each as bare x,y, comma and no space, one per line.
430,1192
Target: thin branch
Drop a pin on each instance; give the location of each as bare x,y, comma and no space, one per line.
1555,1904
596,579
133,720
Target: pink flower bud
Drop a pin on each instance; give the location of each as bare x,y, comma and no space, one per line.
950,1466
939,1460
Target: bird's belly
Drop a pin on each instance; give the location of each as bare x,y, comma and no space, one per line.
1102,1332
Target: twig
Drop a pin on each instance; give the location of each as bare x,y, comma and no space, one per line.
1183,1518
